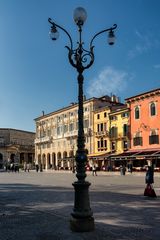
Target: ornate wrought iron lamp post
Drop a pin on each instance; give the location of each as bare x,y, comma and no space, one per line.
82,217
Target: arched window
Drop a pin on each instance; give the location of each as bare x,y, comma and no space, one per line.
153,109
138,134
137,140
137,112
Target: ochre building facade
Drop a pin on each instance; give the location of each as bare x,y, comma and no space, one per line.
16,145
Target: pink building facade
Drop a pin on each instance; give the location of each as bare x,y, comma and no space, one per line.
145,126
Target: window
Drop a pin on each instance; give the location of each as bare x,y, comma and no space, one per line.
105,143
49,132
98,144
1,140
113,118
125,114
125,145
58,119
113,132
102,144
86,123
152,109
125,130
65,128
137,140
136,113
71,114
98,116
105,114
100,127
58,130
113,146
154,138
71,127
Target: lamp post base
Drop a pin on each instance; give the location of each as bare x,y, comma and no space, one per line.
82,225
82,217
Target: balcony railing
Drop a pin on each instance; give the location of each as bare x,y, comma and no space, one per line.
42,139
101,133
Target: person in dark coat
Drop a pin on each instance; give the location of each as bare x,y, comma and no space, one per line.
149,179
149,175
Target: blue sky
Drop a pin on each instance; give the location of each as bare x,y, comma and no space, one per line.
35,74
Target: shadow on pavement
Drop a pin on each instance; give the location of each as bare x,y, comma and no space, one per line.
42,212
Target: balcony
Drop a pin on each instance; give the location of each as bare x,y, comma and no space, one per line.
71,134
102,134
43,140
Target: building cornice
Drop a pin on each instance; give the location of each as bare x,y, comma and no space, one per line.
144,95
17,130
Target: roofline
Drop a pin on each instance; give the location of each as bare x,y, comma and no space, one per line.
119,110
64,108
153,90
17,130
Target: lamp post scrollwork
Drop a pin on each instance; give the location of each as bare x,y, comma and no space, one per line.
82,217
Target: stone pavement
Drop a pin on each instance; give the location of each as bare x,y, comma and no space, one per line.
37,206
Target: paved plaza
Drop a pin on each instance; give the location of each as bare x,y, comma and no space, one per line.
37,206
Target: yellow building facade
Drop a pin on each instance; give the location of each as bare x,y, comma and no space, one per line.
119,130
101,131
103,146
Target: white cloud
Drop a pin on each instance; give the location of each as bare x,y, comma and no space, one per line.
108,81
157,66
144,43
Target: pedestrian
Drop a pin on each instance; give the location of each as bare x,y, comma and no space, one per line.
25,166
8,165
16,167
94,170
12,166
37,167
122,169
149,180
28,167
130,167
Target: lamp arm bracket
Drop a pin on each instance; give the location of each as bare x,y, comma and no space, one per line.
105,30
80,61
70,55
89,54
56,25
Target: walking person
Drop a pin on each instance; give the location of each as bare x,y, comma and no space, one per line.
8,165
94,170
37,167
16,167
122,170
12,166
25,166
28,167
